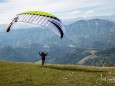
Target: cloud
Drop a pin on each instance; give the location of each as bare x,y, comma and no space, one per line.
79,13
90,12
60,8
75,12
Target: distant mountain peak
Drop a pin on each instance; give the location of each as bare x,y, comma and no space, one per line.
92,21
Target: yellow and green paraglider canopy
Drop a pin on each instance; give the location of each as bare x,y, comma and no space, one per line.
40,18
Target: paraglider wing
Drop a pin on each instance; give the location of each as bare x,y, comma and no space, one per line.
9,26
42,19
61,32
11,23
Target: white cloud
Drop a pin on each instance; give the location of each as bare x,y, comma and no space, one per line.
60,8
90,12
75,12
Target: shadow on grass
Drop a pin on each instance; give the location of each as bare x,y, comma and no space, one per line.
72,69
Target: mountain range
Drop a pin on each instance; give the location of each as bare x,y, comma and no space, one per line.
86,42
70,21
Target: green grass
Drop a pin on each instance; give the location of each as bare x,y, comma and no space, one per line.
31,74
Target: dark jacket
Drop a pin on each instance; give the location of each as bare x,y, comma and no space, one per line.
43,55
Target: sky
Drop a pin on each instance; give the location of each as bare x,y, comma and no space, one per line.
63,9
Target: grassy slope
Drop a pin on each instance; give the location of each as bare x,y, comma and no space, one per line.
31,74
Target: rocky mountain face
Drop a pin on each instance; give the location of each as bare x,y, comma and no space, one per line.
80,40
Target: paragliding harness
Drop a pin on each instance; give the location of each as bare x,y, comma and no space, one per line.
43,55
14,20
